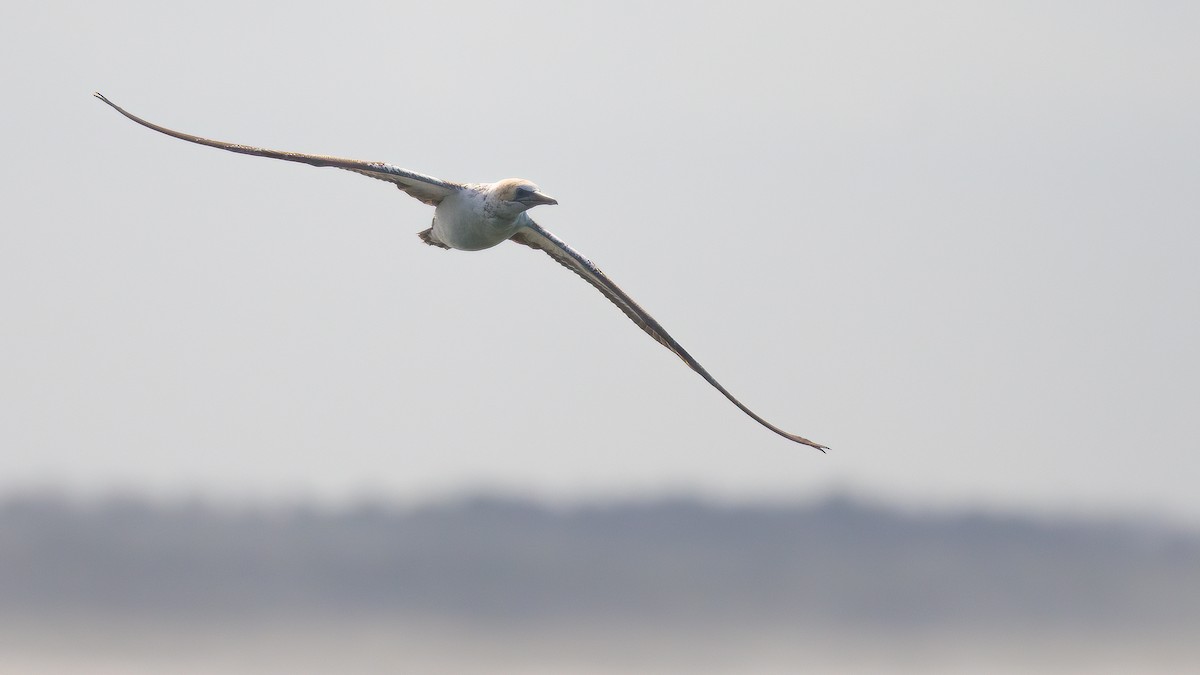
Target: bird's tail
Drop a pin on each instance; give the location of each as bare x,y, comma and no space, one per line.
427,237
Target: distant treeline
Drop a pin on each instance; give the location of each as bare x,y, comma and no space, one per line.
837,562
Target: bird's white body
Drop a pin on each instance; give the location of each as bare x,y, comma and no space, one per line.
471,219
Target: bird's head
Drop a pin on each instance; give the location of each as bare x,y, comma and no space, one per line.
517,195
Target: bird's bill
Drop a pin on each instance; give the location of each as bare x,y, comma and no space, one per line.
539,198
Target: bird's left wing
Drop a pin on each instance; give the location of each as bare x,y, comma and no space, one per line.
428,189
537,237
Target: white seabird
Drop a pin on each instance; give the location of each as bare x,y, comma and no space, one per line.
475,216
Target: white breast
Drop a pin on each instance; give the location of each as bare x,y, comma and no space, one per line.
462,222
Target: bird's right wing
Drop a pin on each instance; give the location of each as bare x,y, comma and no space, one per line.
428,189
535,236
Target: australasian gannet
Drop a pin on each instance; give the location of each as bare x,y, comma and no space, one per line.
475,216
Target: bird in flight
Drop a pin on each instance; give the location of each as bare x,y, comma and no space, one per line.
475,216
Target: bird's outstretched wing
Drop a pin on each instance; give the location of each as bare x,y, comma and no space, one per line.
428,189
535,236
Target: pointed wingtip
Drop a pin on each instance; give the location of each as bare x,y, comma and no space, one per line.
805,441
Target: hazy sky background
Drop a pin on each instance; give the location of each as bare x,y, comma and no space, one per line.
957,242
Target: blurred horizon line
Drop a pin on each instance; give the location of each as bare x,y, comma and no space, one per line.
396,503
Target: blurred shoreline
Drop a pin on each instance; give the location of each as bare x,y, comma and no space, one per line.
505,585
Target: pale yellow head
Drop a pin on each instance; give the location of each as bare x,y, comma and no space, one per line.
519,192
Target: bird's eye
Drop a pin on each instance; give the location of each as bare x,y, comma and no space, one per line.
523,191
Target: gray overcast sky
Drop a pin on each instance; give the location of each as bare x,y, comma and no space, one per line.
957,242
